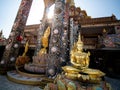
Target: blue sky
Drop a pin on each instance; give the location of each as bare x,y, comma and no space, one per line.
94,8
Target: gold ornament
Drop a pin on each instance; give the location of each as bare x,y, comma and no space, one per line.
26,48
80,70
45,41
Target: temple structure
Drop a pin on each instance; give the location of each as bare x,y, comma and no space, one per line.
37,53
91,29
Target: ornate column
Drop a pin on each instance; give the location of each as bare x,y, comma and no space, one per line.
64,58
14,41
41,30
71,32
44,24
55,44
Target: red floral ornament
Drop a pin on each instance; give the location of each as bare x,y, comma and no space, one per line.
19,38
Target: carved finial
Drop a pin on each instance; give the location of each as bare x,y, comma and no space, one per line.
72,3
104,30
113,15
79,38
1,32
68,1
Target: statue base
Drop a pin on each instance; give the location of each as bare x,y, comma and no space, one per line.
63,83
21,76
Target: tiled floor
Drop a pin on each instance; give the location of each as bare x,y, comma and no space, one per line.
5,84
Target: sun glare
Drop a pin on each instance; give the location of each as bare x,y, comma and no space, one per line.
51,12
36,12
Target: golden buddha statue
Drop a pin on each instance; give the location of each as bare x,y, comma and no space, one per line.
79,58
80,69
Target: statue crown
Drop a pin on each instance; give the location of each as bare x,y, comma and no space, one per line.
79,42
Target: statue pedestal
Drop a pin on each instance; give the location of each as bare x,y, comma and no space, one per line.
20,76
38,65
63,83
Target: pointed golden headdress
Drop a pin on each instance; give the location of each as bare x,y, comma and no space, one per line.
79,42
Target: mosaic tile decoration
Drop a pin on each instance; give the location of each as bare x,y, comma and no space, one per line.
112,40
15,38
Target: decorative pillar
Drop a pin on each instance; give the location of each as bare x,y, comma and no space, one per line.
44,24
64,58
71,32
42,28
16,35
55,44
